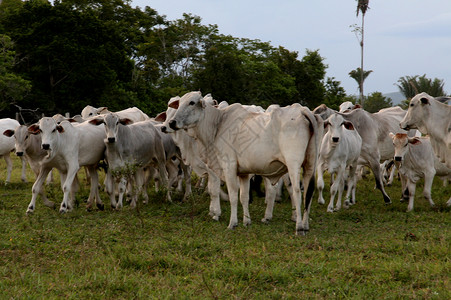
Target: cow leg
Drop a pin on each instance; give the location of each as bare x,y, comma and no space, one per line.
23,175
428,179
244,198
294,173
320,184
232,188
109,188
270,197
37,188
121,190
214,188
9,167
67,188
352,183
164,178
411,187
187,175
375,167
94,191
448,203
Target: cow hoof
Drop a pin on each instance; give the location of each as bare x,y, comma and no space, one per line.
247,223
232,226
215,218
301,232
30,211
265,221
100,206
63,210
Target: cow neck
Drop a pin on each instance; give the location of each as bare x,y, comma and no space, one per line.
208,125
440,112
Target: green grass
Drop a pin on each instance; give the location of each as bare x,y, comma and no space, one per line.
175,251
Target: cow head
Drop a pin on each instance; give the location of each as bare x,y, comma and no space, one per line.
417,112
401,143
22,138
112,122
336,124
49,130
190,109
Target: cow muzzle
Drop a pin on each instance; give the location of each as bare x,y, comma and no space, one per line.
335,139
398,158
111,139
46,146
20,153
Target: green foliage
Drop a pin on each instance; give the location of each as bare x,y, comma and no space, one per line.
335,94
409,86
106,53
376,101
13,88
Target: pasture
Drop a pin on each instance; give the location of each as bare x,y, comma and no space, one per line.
166,250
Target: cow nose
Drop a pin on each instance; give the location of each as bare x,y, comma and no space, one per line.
19,153
45,146
173,124
398,158
335,139
163,129
111,139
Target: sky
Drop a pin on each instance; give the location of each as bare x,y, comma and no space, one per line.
402,37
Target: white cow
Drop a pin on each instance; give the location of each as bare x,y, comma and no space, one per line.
240,143
28,146
194,154
345,106
340,150
433,118
68,147
132,113
131,146
7,145
416,159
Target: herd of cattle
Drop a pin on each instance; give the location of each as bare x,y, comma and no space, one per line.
231,144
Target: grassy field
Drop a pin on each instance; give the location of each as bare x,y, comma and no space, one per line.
175,251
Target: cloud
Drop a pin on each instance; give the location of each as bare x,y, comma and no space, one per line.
436,27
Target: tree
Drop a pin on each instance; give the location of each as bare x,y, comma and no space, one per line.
360,77
71,57
409,86
376,101
13,88
362,6
335,94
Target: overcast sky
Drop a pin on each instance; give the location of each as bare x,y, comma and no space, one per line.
402,37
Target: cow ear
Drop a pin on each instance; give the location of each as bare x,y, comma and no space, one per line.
34,129
60,128
174,104
125,121
392,135
8,133
414,141
161,117
202,103
424,100
348,125
102,110
96,121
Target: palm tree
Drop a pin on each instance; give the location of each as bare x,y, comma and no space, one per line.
409,86
360,77
362,6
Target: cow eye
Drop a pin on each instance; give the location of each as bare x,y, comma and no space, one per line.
192,103
26,137
411,104
54,130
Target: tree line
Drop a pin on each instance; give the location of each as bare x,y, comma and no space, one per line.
61,56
